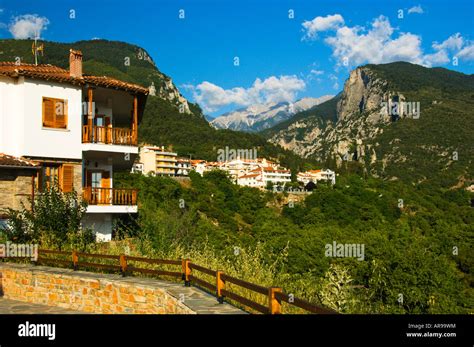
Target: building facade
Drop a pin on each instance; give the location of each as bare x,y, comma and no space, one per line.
317,175
158,161
78,129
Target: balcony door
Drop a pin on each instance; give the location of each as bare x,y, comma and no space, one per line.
100,183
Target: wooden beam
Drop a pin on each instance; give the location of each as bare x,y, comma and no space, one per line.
274,304
33,193
90,95
135,119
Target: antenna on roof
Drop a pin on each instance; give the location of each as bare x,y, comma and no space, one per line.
35,48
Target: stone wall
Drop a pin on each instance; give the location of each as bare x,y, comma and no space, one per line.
15,187
88,292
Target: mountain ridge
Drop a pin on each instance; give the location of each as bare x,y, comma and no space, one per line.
354,128
258,117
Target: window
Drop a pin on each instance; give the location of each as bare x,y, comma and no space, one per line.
54,113
51,174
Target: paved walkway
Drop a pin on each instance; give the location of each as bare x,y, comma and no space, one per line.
8,306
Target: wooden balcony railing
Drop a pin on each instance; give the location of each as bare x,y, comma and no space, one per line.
109,135
110,196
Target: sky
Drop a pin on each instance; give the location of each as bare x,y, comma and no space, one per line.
227,54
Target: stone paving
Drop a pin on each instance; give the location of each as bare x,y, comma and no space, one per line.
8,306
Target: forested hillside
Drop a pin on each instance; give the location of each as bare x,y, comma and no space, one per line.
420,249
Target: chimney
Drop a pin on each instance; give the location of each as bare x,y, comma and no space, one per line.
75,63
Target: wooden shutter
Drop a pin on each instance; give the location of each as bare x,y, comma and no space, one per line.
54,113
105,181
60,108
48,112
67,176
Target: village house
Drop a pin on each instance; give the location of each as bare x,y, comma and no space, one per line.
63,126
316,175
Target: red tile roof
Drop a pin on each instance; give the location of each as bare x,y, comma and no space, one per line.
249,176
10,161
57,74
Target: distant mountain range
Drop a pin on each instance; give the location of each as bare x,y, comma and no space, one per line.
364,126
263,116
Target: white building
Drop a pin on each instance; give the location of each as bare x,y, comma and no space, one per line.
260,177
183,167
251,180
78,128
317,175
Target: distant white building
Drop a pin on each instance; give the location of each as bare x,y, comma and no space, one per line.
277,177
138,167
247,172
198,165
260,177
183,167
251,180
316,175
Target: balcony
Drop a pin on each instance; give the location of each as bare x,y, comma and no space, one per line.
110,196
109,135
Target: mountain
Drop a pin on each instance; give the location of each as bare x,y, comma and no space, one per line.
169,118
363,127
262,116
121,60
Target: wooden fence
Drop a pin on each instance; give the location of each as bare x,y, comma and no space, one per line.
187,271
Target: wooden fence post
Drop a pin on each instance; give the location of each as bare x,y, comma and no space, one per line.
186,272
75,260
220,284
123,265
274,304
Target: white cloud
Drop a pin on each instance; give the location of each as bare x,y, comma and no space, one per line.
378,44
467,53
455,45
415,9
271,90
335,80
454,42
28,26
438,58
316,72
358,45
329,22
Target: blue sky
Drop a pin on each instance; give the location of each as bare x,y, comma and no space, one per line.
281,57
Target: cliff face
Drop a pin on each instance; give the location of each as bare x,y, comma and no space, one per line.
168,91
362,92
360,116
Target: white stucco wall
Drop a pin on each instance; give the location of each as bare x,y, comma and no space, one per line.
101,224
22,132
